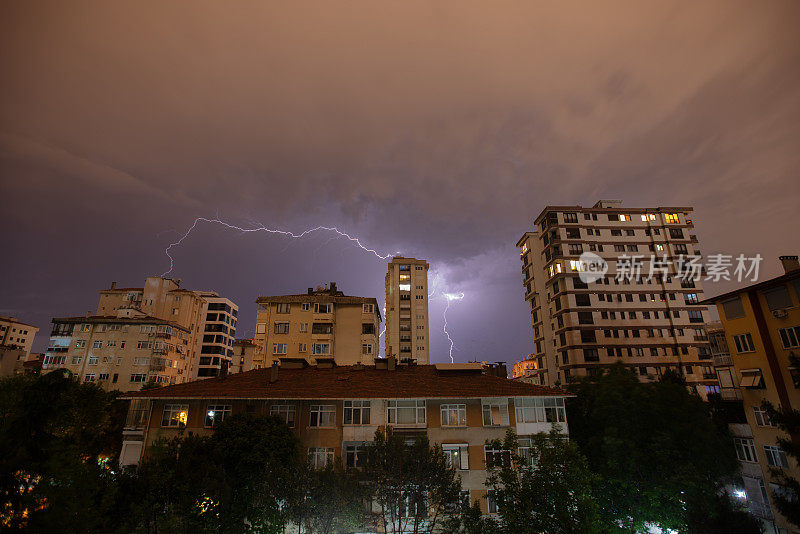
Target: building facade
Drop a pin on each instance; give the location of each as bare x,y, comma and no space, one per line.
156,333
15,334
322,325
247,355
407,327
762,329
649,323
335,411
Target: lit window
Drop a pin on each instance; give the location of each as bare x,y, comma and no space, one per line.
577,265
624,217
405,287
457,455
454,414
671,218
216,413
175,415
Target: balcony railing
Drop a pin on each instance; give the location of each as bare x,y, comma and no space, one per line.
760,509
723,360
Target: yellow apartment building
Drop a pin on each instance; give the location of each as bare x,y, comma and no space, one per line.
407,325
762,330
322,325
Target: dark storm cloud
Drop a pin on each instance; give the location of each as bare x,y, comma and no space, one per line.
436,128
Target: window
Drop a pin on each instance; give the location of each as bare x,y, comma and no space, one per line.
495,413
81,343
540,410
281,328
97,345
744,343
356,412
90,377
454,414
733,308
138,377
304,327
367,328
624,217
320,456
775,456
175,415
366,348
282,307
302,347
695,316
790,337
778,298
305,306
285,412
354,456
457,455
690,298
570,217
322,415
321,348
671,218
261,328
745,450
496,457
216,413
320,307
762,416
369,308
92,360
279,348
406,412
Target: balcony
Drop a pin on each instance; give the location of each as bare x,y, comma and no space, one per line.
760,509
723,360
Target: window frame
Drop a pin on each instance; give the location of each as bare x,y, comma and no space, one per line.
328,410
216,413
445,410
419,408
174,419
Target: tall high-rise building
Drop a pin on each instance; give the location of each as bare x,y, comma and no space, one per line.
407,334
321,326
650,323
158,332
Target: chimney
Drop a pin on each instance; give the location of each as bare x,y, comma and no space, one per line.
333,288
273,372
310,290
790,263
391,363
113,285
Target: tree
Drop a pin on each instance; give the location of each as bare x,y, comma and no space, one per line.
331,499
412,484
470,520
787,500
654,447
58,439
548,490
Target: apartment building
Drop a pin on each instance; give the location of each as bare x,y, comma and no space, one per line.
158,332
15,334
525,368
584,319
762,328
336,410
407,328
322,325
247,355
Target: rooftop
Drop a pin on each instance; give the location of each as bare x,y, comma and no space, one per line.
766,284
348,382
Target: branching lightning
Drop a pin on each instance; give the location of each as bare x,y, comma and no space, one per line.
258,227
262,228
450,298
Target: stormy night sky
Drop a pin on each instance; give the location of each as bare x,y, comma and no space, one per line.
438,129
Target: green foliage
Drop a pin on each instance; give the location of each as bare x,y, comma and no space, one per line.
56,439
412,484
548,491
470,520
653,446
787,501
718,516
331,500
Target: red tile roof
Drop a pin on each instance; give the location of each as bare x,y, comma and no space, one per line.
348,382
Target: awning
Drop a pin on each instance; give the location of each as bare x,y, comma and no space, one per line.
751,379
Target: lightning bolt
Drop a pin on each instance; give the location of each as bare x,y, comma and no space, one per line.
262,228
450,298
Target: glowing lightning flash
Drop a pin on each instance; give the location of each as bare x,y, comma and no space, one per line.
262,228
450,298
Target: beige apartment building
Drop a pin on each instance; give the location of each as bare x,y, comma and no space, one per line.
407,327
761,328
322,325
247,355
15,334
335,411
649,323
159,332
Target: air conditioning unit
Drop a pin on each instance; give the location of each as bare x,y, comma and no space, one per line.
779,314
